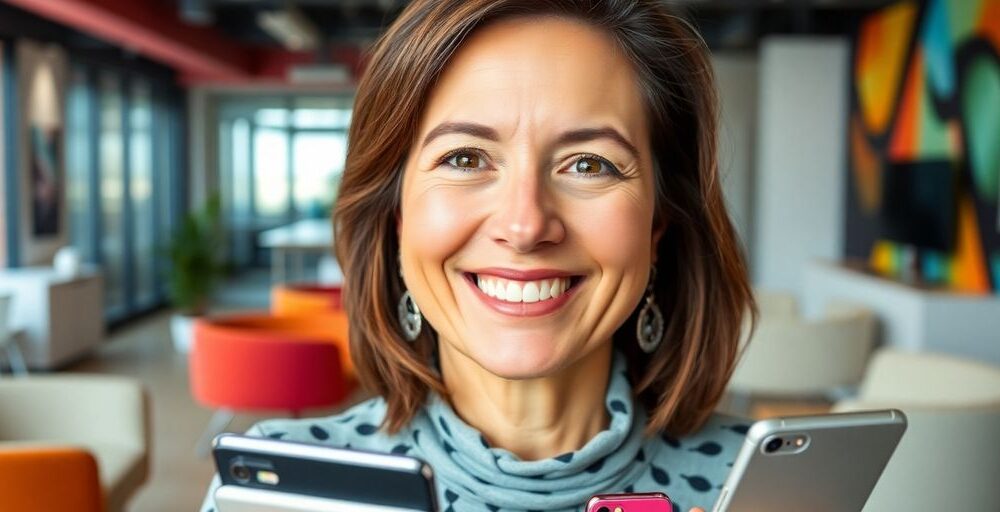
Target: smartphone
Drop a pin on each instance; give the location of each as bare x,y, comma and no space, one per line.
636,502
817,463
263,474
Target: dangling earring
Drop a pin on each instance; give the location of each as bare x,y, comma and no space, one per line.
410,319
649,328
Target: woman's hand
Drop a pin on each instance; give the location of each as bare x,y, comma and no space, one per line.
696,509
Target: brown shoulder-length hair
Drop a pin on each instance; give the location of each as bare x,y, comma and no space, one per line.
701,280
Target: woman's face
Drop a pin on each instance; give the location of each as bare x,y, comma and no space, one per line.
527,204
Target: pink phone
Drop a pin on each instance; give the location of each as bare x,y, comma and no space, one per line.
637,502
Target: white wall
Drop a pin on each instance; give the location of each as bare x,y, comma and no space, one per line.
736,81
799,190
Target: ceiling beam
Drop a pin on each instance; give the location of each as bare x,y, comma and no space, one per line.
147,28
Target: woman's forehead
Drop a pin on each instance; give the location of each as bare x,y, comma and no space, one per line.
539,73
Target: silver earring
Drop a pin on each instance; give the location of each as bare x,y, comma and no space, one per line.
649,328
410,319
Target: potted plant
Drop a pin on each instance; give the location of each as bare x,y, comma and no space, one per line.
196,265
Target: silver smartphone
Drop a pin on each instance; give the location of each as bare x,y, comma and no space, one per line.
826,463
262,474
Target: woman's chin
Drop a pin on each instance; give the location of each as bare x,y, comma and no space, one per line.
519,359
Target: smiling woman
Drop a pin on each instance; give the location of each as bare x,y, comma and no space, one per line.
543,285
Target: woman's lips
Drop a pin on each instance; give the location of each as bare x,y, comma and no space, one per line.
524,297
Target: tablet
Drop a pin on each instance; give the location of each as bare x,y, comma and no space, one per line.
815,463
263,474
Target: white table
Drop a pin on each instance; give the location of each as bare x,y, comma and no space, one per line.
300,238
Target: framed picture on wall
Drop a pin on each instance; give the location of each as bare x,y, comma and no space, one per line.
43,224
46,180
45,123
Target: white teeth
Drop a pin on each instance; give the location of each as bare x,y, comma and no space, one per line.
557,288
513,292
500,291
530,292
522,291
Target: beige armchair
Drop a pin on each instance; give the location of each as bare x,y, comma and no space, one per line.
107,416
791,356
949,457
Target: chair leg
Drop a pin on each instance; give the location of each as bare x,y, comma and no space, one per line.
16,359
220,420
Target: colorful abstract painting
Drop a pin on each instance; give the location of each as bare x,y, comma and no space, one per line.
925,124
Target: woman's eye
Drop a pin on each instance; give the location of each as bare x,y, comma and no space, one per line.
593,166
465,160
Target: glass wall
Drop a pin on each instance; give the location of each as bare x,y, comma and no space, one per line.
79,158
112,192
123,175
281,160
143,220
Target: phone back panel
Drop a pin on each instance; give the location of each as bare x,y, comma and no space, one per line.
635,502
835,472
377,481
233,498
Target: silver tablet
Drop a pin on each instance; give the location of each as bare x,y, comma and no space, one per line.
826,463
262,474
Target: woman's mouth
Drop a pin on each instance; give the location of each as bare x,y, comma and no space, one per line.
523,297
522,291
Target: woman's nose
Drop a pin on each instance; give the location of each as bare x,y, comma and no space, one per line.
527,218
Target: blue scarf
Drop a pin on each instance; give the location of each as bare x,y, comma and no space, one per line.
465,465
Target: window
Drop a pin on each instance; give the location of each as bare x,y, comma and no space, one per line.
281,160
143,220
122,172
79,165
112,186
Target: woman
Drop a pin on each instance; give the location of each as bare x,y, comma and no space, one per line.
544,288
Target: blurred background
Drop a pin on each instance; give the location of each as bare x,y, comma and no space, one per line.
167,170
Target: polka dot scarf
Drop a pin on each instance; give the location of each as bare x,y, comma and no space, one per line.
495,479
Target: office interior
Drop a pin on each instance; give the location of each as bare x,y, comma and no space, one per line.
168,162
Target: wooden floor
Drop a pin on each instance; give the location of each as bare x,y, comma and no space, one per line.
143,350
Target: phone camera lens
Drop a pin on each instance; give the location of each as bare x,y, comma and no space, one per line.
773,445
603,509
240,472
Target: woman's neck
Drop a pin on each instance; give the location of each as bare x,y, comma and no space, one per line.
532,418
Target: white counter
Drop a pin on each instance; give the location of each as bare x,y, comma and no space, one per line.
62,318
912,318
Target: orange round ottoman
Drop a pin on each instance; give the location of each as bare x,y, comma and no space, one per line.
321,303
264,363
301,298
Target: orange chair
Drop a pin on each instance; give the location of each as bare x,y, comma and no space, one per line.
260,362
108,416
316,301
47,478
297,299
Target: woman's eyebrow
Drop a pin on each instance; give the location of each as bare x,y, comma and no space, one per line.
474,129
573,136
604,132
